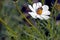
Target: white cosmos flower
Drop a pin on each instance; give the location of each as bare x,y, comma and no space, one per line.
39,11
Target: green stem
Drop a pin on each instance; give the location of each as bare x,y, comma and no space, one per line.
49,25
53,7
43,1
31,35
54,19
30,1
8,28
17,7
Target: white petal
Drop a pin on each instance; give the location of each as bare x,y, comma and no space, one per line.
38,16
39,5
34,6
32,14
46,13
31,8
45,7
45,17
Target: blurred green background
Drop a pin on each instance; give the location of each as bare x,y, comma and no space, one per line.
13,25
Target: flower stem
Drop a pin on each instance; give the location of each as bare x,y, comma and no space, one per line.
30,1
43,1
17,7
8,28
53,7
49,25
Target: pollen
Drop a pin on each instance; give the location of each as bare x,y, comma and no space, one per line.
39,11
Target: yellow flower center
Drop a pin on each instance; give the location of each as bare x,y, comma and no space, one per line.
39,11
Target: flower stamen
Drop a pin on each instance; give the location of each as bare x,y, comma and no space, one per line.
39,11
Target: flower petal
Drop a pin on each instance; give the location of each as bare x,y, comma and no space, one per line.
45,7
45,17
39,5
38,16
32,14
34,6
31,8
46,13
